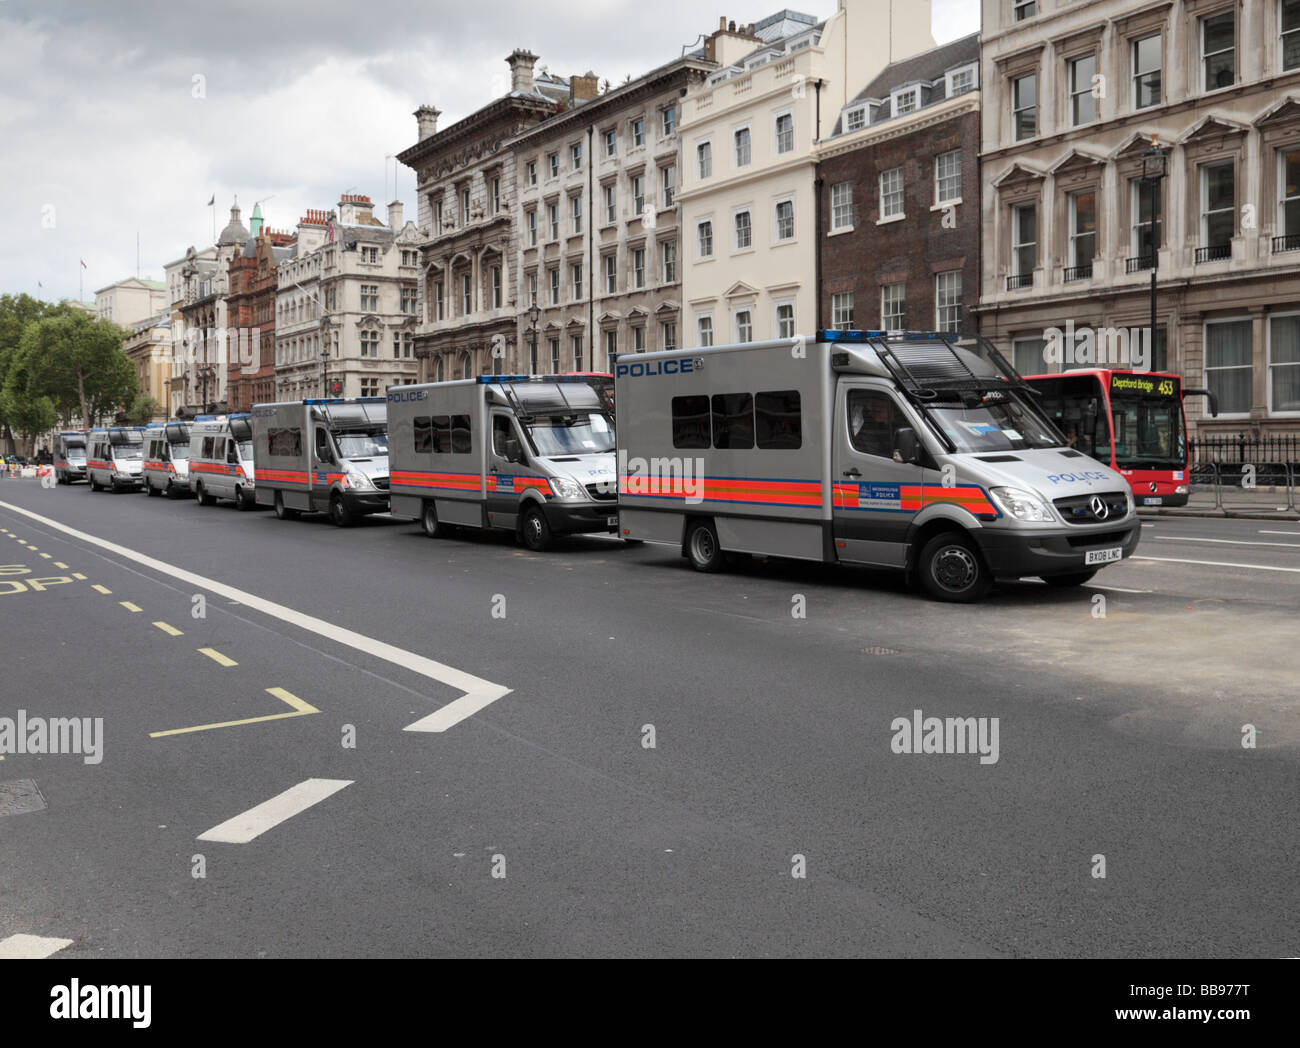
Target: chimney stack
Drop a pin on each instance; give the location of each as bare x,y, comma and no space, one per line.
426,119
395,216
521,64
582,87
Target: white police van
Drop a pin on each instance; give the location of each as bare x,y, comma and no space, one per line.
115,458
531,454
919,451
221,461
167,459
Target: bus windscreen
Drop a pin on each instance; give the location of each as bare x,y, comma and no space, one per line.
1147,414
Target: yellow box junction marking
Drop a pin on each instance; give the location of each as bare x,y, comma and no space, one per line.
217,657
300,709
171,631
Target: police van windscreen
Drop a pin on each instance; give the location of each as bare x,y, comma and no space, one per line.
76,453
179,451
994,421
128,452
245,449
586,434
362,445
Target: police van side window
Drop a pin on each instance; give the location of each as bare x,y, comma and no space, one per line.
284,440
207,447
501,432
874,419
733,421
423,435
691,422
778,420
460,435
232,453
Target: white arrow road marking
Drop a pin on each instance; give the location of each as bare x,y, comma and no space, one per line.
30,947
256,821
478,692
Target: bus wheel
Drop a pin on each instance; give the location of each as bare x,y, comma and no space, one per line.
951,569
535,530
1064,581
429,522
339,514
703,548
283,512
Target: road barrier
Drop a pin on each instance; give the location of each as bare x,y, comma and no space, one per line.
1242,472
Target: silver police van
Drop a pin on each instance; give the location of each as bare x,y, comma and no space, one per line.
917,451
115,458
221,462
70,456
167,459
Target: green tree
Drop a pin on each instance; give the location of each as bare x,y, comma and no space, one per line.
142,411
78,362
16,311
24,413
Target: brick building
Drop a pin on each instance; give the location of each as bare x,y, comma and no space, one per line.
251,312
898,188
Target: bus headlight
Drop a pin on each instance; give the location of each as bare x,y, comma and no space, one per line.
568,488
1182,489
1023,505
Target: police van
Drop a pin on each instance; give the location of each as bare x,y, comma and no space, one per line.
70,456
918,451
167,459
326,456
221,461
532,454
115,458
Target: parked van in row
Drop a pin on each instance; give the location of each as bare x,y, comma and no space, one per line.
922,452
70,456
532,454
115,458
167,459
221,461
322,456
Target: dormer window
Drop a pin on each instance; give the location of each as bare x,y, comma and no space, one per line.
855,119
959,81
908,100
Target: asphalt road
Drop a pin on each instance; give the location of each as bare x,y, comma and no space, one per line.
543,823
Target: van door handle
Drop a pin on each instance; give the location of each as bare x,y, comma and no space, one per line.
854,472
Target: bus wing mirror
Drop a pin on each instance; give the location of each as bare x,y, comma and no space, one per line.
907,446
1211,397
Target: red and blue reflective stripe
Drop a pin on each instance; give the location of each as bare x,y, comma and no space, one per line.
749,491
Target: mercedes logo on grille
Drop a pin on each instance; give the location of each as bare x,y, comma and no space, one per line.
1152,486
1099,508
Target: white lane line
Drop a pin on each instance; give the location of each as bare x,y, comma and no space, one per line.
1293,534
30,947
1227,542
256,821
1216,564
1118,589
478,692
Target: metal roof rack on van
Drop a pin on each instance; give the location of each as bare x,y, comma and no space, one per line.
926,363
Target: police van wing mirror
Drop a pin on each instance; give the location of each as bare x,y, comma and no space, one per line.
514,453
907,446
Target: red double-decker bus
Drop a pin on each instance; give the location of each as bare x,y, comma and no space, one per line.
1131,420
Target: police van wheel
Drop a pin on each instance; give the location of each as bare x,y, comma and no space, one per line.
340,516
150,490
951,569
703,549
204,498
535,530
430,524
1078,578
94,484
241,503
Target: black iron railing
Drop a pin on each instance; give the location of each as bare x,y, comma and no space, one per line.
1214,253
1083,272
1290,242
1136,265
1017,281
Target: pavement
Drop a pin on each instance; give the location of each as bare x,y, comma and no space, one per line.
1261,503
364,742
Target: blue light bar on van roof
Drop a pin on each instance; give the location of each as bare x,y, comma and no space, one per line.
205,418
847,336
576,376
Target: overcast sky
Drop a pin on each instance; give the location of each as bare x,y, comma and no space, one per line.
125,116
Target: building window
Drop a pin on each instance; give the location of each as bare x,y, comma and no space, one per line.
1290,34
554,345
842,205
744,231
668,180
947,301
669,252
638,268
464,207
906,101
553,219
784,228
744,325
1022,9
369,298
611,344
638,338
439,309
553,279
669,121
638,132
947,178
532,228
785,320
1284,363
1143,246
531,172
611,142
553,165
1229,364
1083,231
576,271
741,137
1218,210
704,159
855,119
1024,243
577,352
611,203
1288,215
397,345
842,311
575,214
1219,51
891,193
494,276
369,254
704,329
961,81
532,289
785,133
668,335
1146,71
370,387
1024,105
893,307
494,195
408,300
611,274
1027,355
370,344
466,295
575,156
1083,105
638,196
705,232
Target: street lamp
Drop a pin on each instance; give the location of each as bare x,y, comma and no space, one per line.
1155,163
324,355
533,315
204,371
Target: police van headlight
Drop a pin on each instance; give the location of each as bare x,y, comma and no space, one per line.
1023,505
1129,504
568,488
359,480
